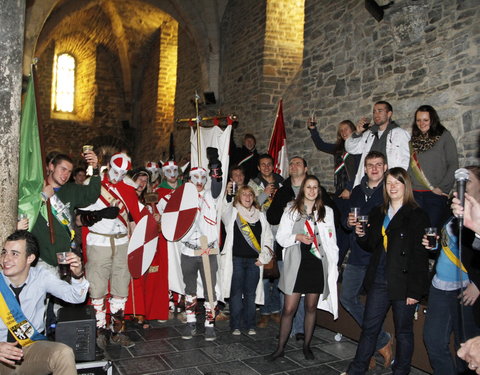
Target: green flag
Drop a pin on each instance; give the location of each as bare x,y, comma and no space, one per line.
30,175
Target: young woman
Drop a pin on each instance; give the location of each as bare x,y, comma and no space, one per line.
246,250
310,255
346,165
433,161
345,169
397,276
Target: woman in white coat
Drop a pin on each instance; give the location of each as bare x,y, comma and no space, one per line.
310,255
246,250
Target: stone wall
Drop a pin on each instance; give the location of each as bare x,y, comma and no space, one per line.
422,52
241,71
189,81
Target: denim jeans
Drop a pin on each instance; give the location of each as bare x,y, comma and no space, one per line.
352,282
242,293
434,205
376,310
272,297
299,319
443,317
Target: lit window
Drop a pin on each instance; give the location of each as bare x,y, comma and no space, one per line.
63,83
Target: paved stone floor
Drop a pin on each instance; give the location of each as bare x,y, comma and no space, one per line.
161,350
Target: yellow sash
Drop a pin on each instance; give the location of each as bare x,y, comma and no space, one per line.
248,234
453,258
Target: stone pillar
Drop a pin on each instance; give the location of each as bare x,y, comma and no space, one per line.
12,22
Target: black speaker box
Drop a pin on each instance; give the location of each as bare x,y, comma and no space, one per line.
76,327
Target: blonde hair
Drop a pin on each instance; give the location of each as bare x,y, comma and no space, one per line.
241,189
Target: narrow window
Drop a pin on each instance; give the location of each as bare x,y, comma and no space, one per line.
63,83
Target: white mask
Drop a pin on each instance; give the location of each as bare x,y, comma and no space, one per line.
116,175
198,177
170,172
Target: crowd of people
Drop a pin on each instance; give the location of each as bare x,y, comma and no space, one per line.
390,185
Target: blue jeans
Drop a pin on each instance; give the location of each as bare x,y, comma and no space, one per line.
352,282
376,310
272,297
242,293
443,317
299,319
434,205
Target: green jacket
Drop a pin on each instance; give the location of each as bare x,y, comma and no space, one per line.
78,196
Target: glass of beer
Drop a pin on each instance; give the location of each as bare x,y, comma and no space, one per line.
431,233
86,148
363,219
355,211
63,266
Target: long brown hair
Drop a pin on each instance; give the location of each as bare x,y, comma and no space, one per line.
299,205
241,189
401,175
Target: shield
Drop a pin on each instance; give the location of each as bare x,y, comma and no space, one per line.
180,212
142,245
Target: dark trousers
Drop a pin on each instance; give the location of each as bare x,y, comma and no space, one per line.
443,317
245,279
376,309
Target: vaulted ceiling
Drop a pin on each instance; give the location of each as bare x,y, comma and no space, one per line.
133,22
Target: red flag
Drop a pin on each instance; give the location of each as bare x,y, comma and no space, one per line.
278,144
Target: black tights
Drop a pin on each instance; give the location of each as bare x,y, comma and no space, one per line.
289,308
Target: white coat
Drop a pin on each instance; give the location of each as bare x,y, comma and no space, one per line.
398,151
292,256
226,257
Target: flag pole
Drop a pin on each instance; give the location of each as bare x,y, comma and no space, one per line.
42,152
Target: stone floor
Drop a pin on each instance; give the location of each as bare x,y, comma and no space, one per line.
161,350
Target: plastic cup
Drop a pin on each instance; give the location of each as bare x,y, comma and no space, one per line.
431,233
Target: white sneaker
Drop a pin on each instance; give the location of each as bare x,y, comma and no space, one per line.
236,332
252,332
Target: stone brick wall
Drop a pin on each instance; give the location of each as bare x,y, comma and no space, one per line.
189,78
241,72
422,52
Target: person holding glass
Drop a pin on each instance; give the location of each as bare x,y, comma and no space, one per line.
247,248
397,275
433,161
310,255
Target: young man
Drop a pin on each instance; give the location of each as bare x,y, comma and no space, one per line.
265,186
246,156
64,197
365,196
23,287
266,183
107,245
382,135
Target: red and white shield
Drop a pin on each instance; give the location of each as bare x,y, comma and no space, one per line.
142,245
180,212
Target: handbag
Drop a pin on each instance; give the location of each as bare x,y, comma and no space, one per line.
270,270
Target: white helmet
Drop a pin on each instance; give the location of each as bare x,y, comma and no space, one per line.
154,169
119,165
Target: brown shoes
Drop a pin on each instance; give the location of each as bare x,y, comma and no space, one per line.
263,322
387,354
276,317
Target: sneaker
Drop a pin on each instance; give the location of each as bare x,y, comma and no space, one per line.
189,331
210,334
122,340
252,332
236,332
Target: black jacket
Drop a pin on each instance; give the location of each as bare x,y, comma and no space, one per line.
407,259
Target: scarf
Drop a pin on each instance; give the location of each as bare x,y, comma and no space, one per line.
251,215
423,142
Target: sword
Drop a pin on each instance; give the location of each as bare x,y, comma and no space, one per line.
207,269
